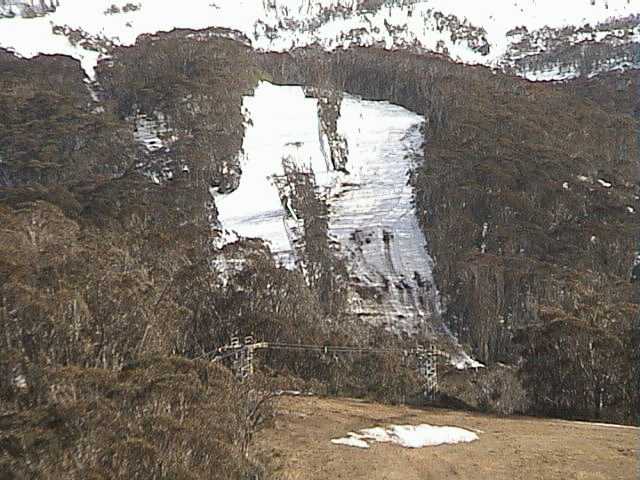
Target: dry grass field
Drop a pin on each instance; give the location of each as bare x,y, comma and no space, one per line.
508,448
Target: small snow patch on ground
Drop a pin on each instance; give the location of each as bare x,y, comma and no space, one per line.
409,436
350,442
464,361
294,393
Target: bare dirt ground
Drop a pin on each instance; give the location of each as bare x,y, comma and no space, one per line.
508,448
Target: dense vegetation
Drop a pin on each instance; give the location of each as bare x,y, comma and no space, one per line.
109,302
108,299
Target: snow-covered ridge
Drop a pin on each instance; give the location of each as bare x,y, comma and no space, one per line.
499,33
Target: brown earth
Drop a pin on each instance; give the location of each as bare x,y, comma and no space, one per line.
508,448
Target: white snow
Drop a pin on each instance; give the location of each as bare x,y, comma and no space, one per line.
376,434
604,183
149,131
350,442
408,436
284,124
372,221
20,381
282,24
294,393
463,361
371,214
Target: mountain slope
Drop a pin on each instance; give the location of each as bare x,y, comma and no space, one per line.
364,204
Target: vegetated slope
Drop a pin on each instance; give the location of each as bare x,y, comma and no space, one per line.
115,207
107,253
545,259
101,271
107,295
537,39
528,198
507,448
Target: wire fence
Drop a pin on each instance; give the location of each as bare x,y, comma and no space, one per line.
242,355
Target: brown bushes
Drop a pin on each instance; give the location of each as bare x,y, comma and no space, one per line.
163,417
496,389
106,286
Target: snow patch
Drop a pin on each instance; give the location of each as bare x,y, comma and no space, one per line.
372,220
283,124
20,381
350,442
463,361
149,131
408,436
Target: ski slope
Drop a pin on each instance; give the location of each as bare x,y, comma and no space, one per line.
372,218
372,222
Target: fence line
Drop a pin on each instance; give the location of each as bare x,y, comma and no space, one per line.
242,355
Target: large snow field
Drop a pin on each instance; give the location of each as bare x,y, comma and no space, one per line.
281,123
372,222
371,213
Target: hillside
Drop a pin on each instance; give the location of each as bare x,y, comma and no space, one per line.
314,176
525,236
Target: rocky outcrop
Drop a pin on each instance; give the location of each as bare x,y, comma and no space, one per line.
572,51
